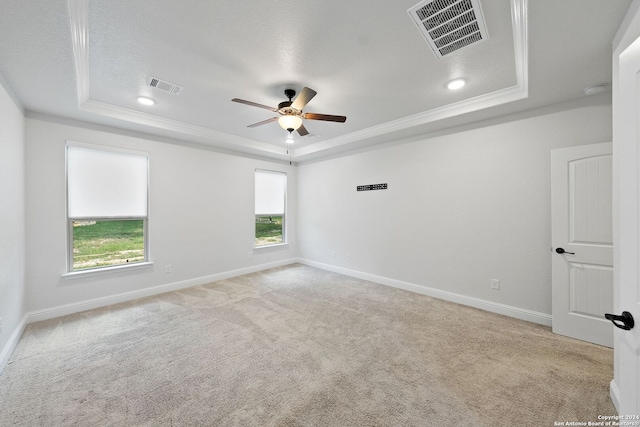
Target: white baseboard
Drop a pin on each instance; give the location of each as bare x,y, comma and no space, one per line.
63,310
506,310
11,344
614,391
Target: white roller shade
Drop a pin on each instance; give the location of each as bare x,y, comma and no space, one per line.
270,192
106,183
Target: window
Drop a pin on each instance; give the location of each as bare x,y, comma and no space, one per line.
270,207
107,199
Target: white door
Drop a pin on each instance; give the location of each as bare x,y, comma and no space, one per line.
626,135
582,240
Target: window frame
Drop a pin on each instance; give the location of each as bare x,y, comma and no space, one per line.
284,213
71,272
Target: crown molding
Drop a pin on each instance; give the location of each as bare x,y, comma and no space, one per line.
79,23
202,134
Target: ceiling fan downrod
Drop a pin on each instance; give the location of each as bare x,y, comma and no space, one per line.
289,93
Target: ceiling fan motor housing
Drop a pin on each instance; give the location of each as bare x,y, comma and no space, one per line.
284,108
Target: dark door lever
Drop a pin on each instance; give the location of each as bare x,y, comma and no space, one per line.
626,319
562,251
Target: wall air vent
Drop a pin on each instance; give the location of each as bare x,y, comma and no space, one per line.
164,85
449,25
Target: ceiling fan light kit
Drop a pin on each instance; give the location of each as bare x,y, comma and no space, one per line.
291,114
290,122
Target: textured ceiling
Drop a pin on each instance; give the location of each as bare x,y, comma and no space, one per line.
89,60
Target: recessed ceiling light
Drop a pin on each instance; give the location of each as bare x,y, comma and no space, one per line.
456,84
593,90
145,101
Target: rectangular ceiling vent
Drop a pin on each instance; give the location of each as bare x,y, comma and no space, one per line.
449,25
164,85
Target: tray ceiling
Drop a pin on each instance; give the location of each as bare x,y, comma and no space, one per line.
367,61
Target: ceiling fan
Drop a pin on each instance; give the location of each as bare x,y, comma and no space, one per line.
291,114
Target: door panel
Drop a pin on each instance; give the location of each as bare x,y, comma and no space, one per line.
590,289
590,185
581,224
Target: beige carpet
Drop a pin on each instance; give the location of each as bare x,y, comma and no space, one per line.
298,346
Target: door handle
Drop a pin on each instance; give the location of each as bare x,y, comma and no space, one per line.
562,251
626,319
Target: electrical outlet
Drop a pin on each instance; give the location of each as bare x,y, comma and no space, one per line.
495,284
167,268
333,254
348,257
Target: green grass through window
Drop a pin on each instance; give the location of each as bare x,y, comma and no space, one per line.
105,243
269,230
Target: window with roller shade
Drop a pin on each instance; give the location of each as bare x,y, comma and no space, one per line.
270,207
107,207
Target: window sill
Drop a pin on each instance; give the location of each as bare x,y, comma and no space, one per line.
106,270
274,246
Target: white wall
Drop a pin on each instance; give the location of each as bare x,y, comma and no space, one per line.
12,222
201,215
462,208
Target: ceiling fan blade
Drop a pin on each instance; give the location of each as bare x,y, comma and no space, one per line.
303,130
254,104
264,122
303,98
325,117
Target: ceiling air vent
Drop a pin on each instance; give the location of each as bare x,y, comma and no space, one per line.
449,25
164,85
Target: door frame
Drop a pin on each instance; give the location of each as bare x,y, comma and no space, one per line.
624,386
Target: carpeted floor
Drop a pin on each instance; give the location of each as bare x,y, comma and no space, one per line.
299,346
